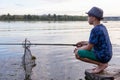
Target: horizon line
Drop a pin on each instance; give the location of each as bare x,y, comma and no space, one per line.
55,14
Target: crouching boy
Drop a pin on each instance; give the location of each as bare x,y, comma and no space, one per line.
98,50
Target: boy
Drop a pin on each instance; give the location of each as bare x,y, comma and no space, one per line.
98,50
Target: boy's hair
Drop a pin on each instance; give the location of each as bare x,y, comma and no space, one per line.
99,19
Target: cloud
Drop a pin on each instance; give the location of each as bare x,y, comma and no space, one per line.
2,8
19,5
58,6
56,1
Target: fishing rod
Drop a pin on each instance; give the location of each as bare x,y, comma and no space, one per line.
28,43
47,44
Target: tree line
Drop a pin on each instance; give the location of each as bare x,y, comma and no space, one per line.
48,17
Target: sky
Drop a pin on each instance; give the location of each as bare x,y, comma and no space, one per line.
59,7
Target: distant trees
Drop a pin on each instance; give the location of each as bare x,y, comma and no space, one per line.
48,17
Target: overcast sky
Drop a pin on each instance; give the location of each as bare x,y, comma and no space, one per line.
68,7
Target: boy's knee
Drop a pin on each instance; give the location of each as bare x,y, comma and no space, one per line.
77,56
78,53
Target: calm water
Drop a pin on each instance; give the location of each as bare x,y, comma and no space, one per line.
53,62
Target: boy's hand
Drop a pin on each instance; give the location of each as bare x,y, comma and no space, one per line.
81,43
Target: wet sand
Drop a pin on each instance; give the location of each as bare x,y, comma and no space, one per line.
53,63
11,68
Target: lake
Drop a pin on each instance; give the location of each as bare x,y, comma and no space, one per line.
53,62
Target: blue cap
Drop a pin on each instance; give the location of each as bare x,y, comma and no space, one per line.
96,12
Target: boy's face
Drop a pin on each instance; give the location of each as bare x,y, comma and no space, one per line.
91,19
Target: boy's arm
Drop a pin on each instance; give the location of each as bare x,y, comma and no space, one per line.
87,47
81,43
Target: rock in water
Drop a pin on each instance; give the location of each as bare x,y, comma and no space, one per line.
110,74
